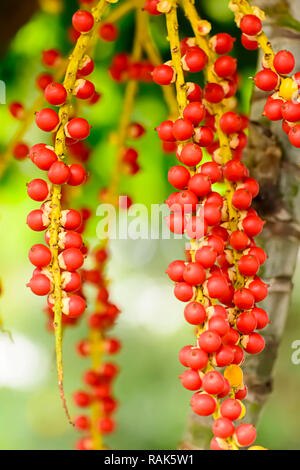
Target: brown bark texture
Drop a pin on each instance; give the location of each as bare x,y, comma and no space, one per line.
275,164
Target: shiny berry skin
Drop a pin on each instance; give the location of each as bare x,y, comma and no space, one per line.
17,110
179,176
219,324
273,109
261,316
213,93
249,43
163,74
248,265
290,111
82,422
165,131
246,322
194,60
250,25
209,341
183,129
252,225
223,428
70,281
84,89
183,355
213,382
204,136
20,151
217,287
191,380
254,344
243,299
183,291
194,92
241,199
39,255
151,7
284,62
83,21
224,356
231,409
73,306
230,122
252,186
176,223
108,32
234,170
175,270
245,434
222,43
47,119
199,184
225,66
40,284
70,219
194,274
203,404
206,256
42,156
212,213
55,94
77,175
195,313
51,57
38,190
59,173
191,155
196,358
266,80
71,259
294,136
187,200
259,289
86,66
239,240
77,128
194,112
37,220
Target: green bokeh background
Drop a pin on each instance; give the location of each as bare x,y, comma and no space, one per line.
153,405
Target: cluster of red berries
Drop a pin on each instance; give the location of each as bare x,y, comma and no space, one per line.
123,68
99,379
284,103
130,155
219,279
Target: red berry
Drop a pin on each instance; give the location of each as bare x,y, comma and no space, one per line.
213,382
252,186
241,394
190,155
194,60
106,425
234,170
175,270
194,274
223,428
73,306
77,128
163,74
217,287
209,341
84,89
266,80
213,93
71,259
249,43
47,119
196,358
20,151
239,240
294,136
17,110
69,239
222,43
203,404
241,199
108,32
231,338
199,184
251,25
254,344
82,422
261,316
39,255
212,170
248,265
83,21
194,112
70,282
195,313
219,324
165,131
151,7
284,62
176,223
59,173
183,355
206,256
212,213
245,434
204,136
290,111
51,57
183,129
243,299
183,291
252,225
38,190
224,356
230,122
273,109
196,227
86,66
40,284
231,409
42,156
77,175
193,91
55,94
70,219
246,322
178,176
225,66
191,380
37,220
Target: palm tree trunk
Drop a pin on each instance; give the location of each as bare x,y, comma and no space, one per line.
275,164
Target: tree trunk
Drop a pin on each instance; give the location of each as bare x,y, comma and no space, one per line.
275,164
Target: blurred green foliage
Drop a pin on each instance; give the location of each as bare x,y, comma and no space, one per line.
153,405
